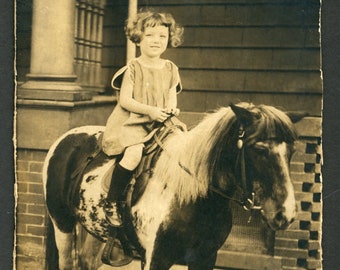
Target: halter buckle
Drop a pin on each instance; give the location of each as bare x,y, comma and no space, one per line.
249,204
240,137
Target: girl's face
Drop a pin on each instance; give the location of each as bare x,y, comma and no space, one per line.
154,41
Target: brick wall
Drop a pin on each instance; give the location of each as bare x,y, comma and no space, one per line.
31,210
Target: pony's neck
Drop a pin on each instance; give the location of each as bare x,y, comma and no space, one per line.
191,159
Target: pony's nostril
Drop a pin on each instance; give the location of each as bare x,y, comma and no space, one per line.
282,221
279,216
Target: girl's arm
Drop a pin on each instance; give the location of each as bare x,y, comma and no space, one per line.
130,104
172,102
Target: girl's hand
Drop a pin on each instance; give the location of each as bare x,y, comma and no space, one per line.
173,111
158,114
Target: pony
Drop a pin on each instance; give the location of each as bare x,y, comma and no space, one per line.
181,211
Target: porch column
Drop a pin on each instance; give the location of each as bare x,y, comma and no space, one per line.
52,74
51,101
131,47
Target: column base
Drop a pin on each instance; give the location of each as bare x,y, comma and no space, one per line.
51,87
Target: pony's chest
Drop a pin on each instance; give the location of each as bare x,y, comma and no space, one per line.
152,209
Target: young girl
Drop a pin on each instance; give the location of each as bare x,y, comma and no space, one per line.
147,98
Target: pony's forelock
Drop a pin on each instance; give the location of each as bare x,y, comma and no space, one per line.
273,124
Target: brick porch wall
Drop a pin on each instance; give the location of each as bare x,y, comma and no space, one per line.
31,211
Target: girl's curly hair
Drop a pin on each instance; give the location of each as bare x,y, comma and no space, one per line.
135,26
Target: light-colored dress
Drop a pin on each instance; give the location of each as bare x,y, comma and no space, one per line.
150,86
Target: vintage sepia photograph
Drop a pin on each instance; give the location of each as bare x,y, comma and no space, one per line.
168,134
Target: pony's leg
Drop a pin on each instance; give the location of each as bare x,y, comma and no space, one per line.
164,255
159,265
204,264
159,260
64,242
90,253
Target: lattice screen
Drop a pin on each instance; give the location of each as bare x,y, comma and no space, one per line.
248,233
300,245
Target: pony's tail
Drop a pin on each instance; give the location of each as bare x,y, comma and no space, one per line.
52,257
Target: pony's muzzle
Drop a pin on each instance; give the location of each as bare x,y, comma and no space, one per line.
282,220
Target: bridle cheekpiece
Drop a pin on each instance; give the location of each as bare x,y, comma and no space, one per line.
248,198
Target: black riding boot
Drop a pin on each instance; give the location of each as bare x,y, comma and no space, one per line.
119,181
115,252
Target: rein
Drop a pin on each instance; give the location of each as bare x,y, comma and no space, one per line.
247,204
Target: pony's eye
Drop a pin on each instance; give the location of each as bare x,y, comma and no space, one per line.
261,147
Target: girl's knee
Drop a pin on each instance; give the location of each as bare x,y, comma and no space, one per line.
132,157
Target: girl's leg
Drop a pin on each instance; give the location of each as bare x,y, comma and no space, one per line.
132,157
120,178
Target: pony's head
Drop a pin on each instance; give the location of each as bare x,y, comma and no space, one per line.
264,144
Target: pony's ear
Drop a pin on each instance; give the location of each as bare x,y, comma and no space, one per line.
296,116
245,116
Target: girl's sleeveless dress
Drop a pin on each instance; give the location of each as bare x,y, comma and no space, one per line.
151,87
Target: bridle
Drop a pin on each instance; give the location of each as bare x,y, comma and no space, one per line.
248,195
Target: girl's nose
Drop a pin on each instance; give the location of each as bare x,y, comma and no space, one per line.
156,39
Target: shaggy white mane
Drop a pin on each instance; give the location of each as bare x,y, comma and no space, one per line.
191,151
